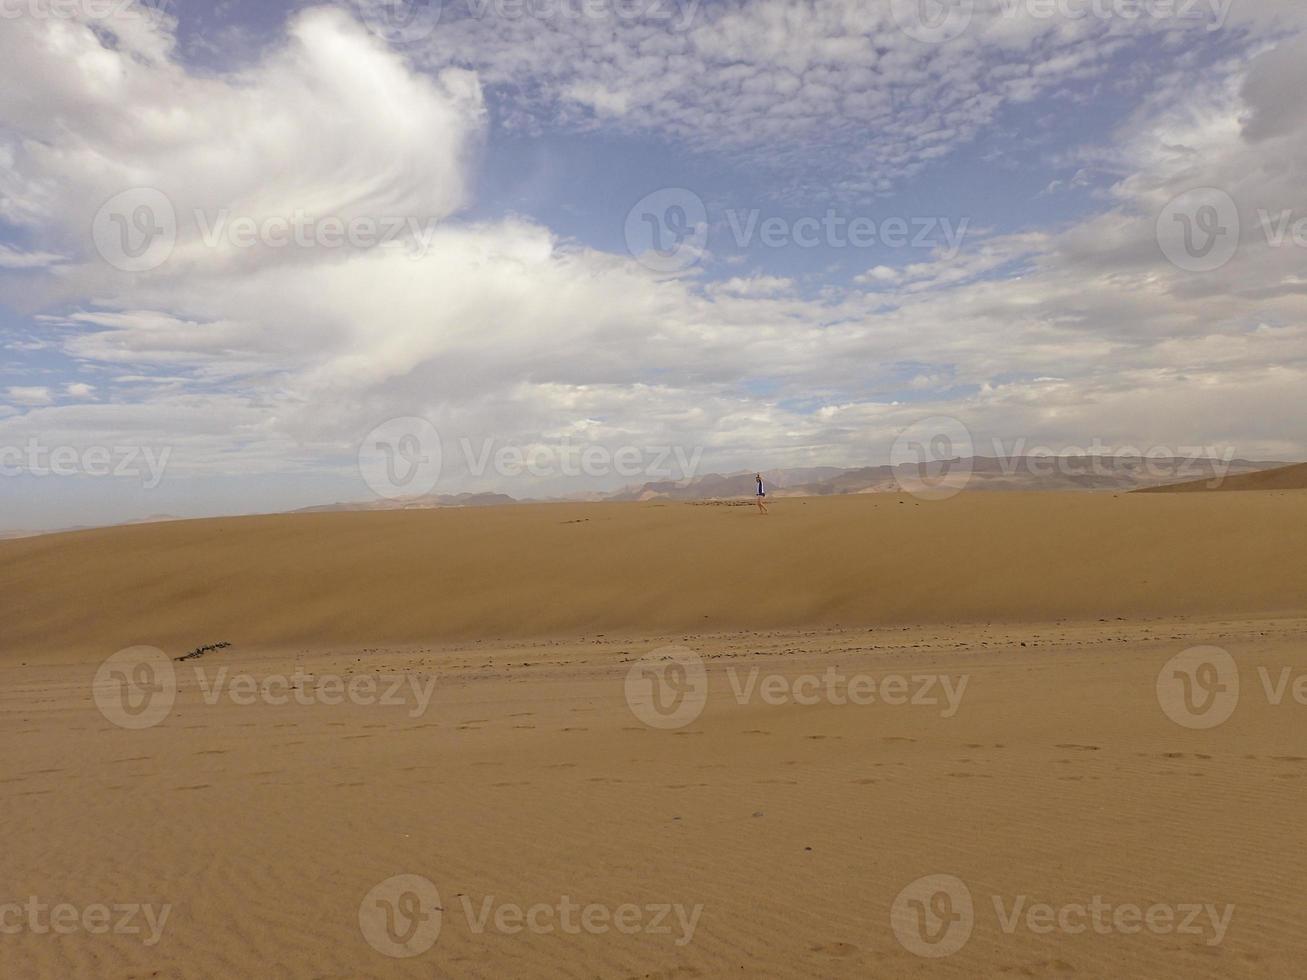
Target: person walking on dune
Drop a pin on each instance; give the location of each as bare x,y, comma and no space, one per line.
762,494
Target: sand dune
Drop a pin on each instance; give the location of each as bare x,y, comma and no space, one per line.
1284,478
568,569
264,828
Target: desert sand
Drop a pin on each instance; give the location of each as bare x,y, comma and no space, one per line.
1011,735
577,569
1284,478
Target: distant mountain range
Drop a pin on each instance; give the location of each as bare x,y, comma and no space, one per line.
1122,474
1045,473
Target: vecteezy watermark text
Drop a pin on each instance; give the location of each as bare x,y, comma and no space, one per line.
405,457
940,691
668,688
137,687
935,458
138,230
935,915
36,459
668,230
402,917
1102,459
42,918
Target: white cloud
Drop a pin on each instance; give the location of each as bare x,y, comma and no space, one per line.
278,362
831,94
29,395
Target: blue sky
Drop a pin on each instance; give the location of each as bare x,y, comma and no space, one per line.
490,165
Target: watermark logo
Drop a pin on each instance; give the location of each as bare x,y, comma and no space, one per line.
667,688
1199,688
933,916
401,458
401,916
136,687
667,231
136,230
1198,231
221,229
933,459
401,22
404,457
933,21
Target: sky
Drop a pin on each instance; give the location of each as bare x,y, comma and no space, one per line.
260,255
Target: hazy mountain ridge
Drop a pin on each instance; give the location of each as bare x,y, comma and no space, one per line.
1031,473
1046,473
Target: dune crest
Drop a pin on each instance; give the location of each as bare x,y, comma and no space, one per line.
1283,478
567,569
